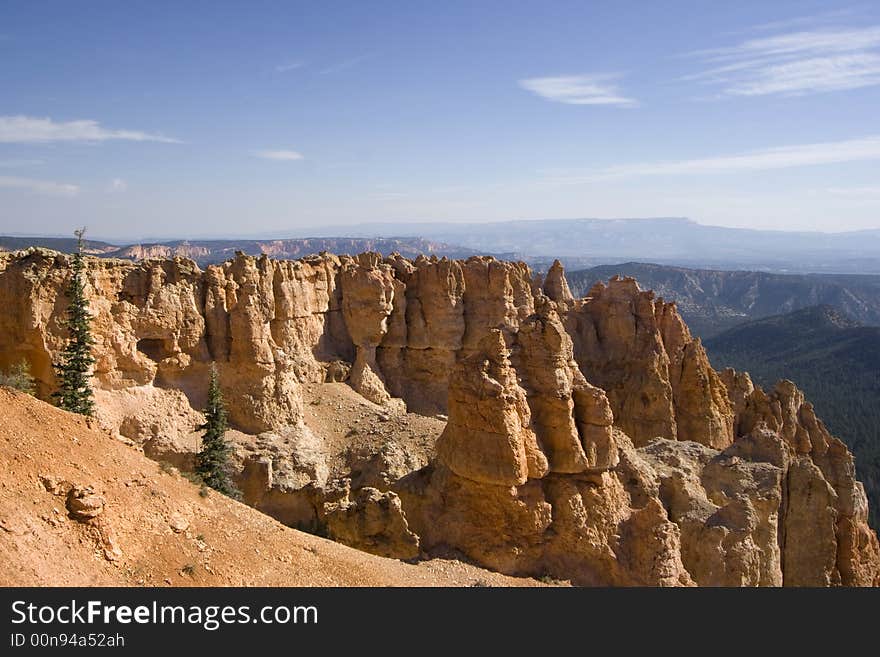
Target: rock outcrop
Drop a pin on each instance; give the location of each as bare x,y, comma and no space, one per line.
368,289
727,508
657,377
160,420
826,537
571,417
555,286
370,520
488,438
587,439
494,494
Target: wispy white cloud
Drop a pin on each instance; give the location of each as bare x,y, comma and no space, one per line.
117,186
815,75
797,63
591,89
282,155
799,43
290,66
27,129
343,65
784,157
47,187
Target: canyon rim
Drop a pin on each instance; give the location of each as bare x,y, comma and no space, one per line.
463,409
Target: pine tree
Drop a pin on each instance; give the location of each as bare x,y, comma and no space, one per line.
74,370
212,462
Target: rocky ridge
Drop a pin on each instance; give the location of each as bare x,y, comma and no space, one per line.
587,439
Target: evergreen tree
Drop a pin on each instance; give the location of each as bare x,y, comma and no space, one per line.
212,462
74,370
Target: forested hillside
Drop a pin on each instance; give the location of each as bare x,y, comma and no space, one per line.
712,301
833,360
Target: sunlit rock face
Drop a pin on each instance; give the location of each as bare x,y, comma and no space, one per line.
585,439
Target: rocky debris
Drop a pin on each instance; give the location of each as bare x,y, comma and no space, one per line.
369,520
86,506
227,543
56,486
337,371
108,541
84,503
283,475
312,479
178,523
382,467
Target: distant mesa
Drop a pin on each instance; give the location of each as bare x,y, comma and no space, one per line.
577,243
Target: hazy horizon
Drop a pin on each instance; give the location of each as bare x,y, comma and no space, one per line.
407,229
150,120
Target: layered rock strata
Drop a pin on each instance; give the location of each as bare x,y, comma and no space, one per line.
587,439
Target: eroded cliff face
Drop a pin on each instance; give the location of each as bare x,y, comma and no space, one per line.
587,439
657,377
269,325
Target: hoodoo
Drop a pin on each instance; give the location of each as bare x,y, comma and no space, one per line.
415,408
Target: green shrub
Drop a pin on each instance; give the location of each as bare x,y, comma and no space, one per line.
19,377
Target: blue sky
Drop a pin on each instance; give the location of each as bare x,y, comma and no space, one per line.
212,118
